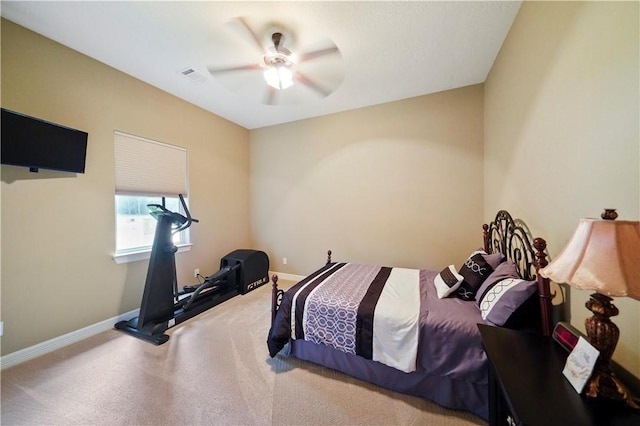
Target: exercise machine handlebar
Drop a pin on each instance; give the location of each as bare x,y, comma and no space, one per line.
188,218
179,221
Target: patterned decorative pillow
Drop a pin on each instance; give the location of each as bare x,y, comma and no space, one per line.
475,270
505,270
447,281
503,298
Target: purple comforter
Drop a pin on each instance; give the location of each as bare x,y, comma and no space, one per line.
449,343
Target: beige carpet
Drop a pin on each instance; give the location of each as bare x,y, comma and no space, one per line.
214,370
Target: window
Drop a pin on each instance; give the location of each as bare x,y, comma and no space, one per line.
135,226
147,172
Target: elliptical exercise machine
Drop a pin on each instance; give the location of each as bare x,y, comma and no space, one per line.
163,305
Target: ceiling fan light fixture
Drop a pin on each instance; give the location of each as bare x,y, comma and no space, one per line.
279,77
279,67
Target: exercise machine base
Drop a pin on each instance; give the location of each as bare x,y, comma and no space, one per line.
164,307
153,332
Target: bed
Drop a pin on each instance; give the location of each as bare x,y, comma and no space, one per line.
415,331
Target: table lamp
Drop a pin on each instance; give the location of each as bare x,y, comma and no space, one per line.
603,256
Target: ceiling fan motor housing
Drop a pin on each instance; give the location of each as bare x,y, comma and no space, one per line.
278,56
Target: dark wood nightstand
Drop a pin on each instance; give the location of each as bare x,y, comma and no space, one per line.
527,387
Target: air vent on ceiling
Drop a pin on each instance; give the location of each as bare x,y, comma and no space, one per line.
194,75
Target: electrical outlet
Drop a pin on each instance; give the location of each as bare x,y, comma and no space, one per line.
196,272
284,260
1,328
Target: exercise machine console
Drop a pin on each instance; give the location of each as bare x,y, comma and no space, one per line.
163,305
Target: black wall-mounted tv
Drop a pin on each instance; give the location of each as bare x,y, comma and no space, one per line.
38,144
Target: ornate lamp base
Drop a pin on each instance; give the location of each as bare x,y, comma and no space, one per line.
603,335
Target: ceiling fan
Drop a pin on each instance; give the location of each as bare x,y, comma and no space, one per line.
285,77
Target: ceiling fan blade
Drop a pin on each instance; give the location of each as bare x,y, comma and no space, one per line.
318,53
213,71
253,34
324,92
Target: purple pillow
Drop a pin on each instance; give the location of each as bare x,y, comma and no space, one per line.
474,271
504,270
503,293
494,259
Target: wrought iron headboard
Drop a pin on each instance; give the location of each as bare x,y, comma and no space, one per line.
513,239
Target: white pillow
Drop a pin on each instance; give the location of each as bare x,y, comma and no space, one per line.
447,281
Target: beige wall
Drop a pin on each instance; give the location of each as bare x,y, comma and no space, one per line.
395,184
562,134
58,238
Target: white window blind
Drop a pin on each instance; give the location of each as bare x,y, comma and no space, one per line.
148,167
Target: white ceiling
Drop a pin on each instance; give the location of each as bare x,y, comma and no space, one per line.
389,50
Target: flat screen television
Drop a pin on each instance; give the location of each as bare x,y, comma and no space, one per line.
38,144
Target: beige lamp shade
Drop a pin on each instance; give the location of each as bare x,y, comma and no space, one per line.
602,255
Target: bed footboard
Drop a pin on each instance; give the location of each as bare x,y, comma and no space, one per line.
276,297
276,293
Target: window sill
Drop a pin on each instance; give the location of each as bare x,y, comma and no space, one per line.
134,256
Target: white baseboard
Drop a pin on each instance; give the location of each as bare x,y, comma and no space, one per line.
51,345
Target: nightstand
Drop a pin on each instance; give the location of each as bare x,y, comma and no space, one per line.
527,387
